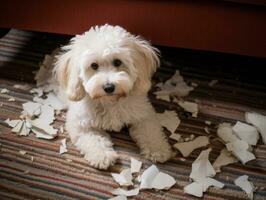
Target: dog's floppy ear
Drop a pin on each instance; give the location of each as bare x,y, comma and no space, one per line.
67,74
146,61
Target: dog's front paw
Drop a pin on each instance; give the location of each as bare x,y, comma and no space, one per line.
101,159
158,154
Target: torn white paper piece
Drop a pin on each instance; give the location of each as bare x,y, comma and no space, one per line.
186,148
189,107
175,86
20,127
135,165
63,147
22,86
206,129
152,178
31,109
11,99
124,178
120,197
212,83
225,158
240,149
245,185
201,172
22,152
38,91
128,193
52,100
225,132
4,91
169,120
163,97
201,167
197,188
208,122
175,136
246,132
259,121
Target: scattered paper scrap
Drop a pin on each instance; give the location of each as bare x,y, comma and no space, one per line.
213,82
240,149
51,100
186,148
135,165
152,178
4,91
208,122
259,121
22,152
21,127
120,197
189,107
201,173
169,120
206,129
11,99
175,136
22,86
245,185
124,178
225,158
31,109
246,132
128,193
175,86
63,147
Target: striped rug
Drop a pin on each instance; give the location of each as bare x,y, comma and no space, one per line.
42,173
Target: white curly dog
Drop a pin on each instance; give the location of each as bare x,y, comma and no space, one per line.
106,73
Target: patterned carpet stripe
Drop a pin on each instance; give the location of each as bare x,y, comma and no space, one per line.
51,176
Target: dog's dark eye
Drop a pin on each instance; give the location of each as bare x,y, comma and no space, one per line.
117,62
94,66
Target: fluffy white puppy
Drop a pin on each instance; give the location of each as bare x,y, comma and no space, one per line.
106,73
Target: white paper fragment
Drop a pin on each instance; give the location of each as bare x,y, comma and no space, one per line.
186,148
22,86
169,120
152,178
259,121
225,132
11,99
162,181
212,83
246,132
175,136
245,185
197,188
124,178
31,109
206,129
120,197
201,172
163,97
201,167
4,91
194,84
128,193
189,107
208,122
175,86
19,126
52,100
63,147
38,91
225,158
240,149
135,165
22,152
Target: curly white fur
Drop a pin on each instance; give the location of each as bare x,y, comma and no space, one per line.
93,111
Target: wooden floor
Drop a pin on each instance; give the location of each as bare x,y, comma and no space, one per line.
241,87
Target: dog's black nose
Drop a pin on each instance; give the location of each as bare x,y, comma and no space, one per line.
109,88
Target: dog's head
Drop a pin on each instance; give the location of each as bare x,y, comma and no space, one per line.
106,62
